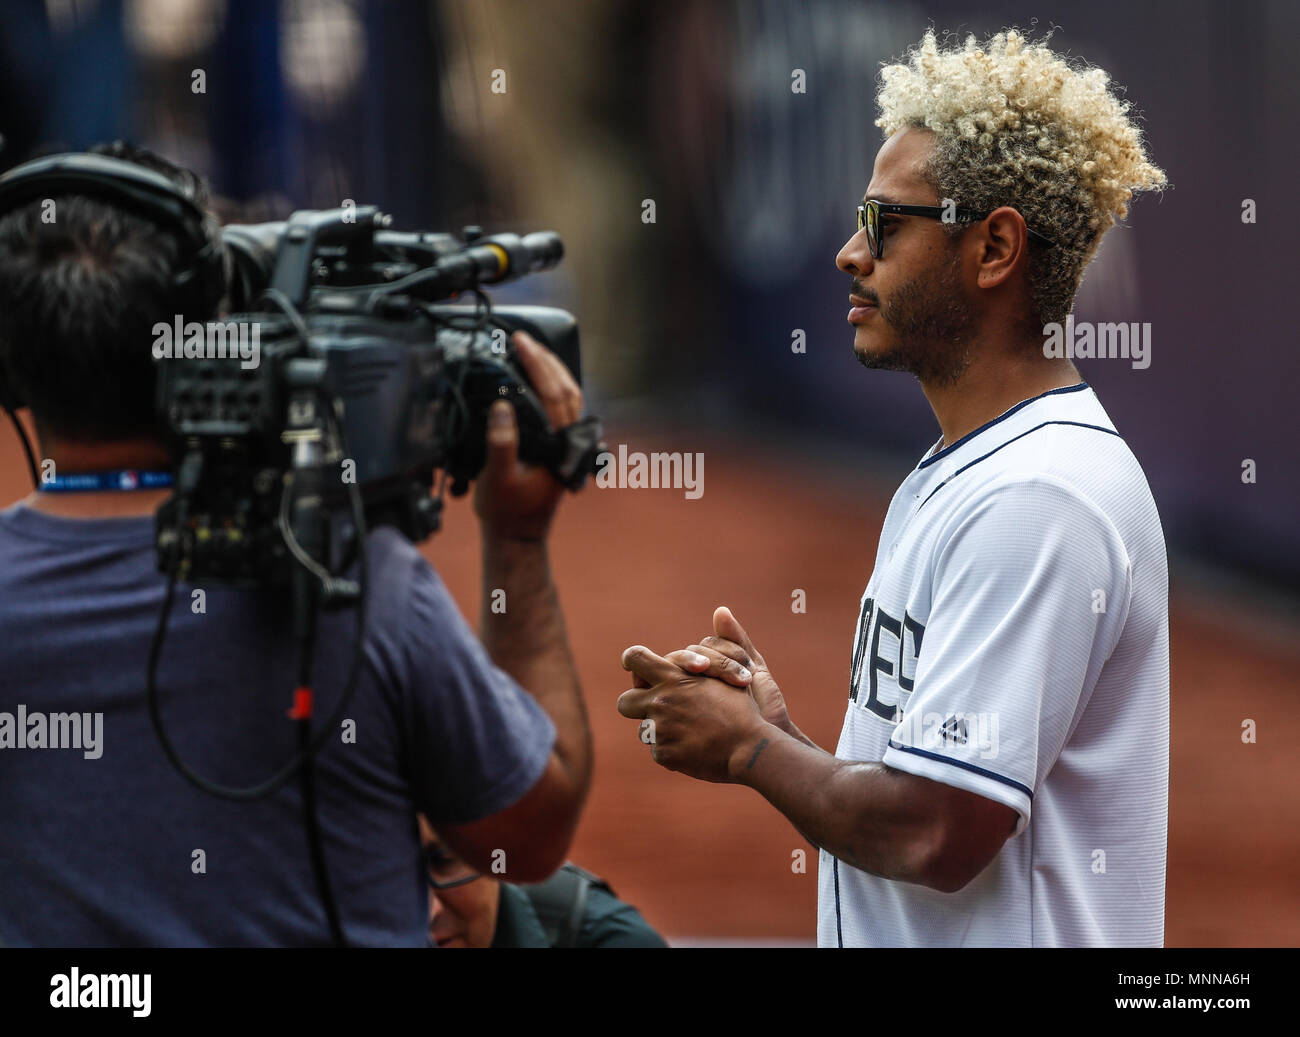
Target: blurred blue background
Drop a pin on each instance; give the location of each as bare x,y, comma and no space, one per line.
688,320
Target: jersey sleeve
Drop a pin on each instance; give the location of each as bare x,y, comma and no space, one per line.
1030,590
476,741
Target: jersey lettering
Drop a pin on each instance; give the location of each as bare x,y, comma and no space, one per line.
879,664
899,664
859,648
917,630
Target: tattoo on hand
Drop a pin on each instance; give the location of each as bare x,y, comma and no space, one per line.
753,759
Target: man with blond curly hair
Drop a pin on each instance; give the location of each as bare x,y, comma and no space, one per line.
1002,774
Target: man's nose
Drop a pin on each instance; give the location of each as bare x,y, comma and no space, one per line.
855,257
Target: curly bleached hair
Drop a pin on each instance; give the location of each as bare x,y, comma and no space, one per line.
1018,125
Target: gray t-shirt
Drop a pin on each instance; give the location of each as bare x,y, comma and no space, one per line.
107,844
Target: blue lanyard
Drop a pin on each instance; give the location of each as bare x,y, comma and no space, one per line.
119,479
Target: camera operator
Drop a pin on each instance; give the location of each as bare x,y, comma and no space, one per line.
102,842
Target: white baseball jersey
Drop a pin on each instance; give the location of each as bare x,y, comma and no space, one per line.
1014,642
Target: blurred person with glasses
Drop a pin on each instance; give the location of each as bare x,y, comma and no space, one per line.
573,908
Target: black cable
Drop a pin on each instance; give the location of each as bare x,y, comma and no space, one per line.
27,448
315,843
186,483
276,780
310,581
285,305
310,813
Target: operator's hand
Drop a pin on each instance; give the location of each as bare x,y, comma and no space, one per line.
731,656
515,501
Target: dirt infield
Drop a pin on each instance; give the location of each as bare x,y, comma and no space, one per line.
711,862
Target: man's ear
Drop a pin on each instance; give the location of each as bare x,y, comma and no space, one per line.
1004,246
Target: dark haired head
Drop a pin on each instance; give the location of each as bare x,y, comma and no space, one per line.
79,296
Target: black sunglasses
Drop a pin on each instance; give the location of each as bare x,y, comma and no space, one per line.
869,214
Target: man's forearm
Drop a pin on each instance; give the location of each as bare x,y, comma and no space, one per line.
862,813
790,729
525,636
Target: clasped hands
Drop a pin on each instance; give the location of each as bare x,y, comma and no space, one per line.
705,709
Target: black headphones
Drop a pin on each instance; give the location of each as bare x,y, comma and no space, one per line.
201,277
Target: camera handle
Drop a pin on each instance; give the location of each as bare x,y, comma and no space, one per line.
353,228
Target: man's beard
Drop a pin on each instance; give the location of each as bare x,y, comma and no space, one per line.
931,322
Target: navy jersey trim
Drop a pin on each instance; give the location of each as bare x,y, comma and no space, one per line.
969,464
963,765
835,868
1002,417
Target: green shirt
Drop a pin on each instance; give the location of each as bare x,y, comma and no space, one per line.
535,915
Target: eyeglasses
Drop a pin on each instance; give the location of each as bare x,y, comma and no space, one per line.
444,870
870,213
